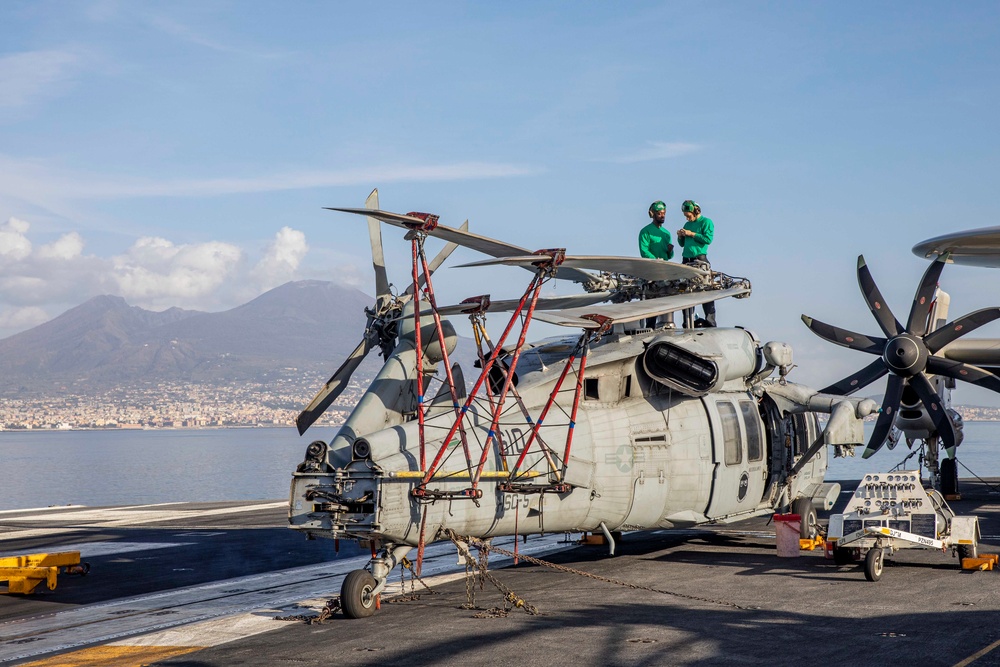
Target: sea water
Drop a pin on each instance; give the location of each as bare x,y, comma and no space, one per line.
42,468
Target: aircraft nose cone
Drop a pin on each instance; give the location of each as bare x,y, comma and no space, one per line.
905,355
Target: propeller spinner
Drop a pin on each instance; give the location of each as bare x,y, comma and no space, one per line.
907,355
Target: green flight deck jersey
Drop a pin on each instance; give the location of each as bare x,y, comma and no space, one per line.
704,230
654,242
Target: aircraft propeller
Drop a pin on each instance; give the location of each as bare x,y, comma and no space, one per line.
907,354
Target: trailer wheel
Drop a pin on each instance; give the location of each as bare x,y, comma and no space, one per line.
807,518
356,597
874,562
967,551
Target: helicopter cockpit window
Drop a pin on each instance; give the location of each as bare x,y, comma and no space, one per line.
751,420
733,445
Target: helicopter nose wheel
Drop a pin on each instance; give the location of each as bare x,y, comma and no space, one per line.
357,594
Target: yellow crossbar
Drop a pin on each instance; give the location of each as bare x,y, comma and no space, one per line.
24,573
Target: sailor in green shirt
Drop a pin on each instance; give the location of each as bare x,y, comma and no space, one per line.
695,237
654,243
654,240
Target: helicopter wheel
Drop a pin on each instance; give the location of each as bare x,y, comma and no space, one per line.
807,518
874,562
356,597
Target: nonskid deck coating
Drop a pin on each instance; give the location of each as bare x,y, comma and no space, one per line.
755,608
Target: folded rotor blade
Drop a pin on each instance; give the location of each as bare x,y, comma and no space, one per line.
333,387
964,372
862,378
890,404
873,297
375,236
843,337
648,269
937,339
439,259
466,239
922,300
932,402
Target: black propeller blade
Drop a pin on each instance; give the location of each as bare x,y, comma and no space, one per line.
845,338
907,354
890,405
873,297
862,378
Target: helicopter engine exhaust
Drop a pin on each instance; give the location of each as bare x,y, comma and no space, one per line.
698,363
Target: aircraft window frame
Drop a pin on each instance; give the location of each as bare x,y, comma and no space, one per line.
732,438
800,434
591,389
754,431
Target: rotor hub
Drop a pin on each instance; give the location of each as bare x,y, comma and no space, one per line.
905,355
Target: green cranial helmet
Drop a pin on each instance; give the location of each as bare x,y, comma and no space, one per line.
690,206
656,207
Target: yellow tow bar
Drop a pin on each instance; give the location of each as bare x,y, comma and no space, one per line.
24,573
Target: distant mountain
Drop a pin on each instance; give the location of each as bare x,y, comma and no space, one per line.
105,341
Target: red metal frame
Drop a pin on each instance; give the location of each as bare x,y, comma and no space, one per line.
547,261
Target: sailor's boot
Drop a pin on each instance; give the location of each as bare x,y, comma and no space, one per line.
710,319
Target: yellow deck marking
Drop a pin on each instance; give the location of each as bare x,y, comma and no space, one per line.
114,656
978,654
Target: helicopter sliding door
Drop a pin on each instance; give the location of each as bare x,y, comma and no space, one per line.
740,472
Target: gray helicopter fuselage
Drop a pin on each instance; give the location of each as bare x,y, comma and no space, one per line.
647,451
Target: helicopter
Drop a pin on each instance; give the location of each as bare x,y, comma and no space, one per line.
616,426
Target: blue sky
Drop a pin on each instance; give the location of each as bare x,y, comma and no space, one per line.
181,153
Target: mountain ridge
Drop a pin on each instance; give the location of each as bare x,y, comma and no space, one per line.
105,341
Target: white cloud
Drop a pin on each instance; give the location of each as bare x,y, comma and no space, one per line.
156,273
14,245
40,281
281,259
66,247
31,76
51,186
658,150
18,319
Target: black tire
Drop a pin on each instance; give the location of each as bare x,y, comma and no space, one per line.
967,551
874,564
356,597
949,477
842,556
807,518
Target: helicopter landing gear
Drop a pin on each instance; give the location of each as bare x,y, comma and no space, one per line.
357,596
807,518
361,588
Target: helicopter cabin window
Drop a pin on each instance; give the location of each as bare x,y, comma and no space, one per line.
751,420
590,389
801,427
732,443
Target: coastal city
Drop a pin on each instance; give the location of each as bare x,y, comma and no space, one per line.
274,403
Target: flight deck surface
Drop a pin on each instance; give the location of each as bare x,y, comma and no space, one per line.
201,584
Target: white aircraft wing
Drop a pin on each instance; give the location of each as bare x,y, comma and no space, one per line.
482,244
975,247
634,310
648,269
